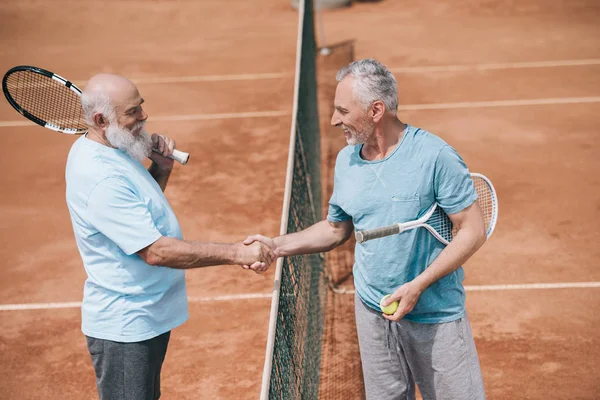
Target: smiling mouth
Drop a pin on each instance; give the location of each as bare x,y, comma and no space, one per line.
137,131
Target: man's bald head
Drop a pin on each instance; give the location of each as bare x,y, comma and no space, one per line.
116,87
106,94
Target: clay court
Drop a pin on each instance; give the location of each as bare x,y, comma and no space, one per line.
513,86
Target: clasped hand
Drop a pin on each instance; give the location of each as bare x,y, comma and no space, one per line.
265,252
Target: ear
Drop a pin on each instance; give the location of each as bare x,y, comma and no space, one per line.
377,110
100,120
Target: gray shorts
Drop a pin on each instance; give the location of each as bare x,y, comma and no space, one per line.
128,371
440,358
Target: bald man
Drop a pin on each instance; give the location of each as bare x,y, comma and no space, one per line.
130,241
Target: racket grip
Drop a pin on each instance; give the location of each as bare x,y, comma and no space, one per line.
179,156
363,236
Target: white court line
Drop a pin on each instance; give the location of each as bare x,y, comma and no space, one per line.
499,103
205,78
215,78
77,304
524,286
9,124
399,70
531,286
245,296
198,117
39,306
249,296
191,117
406,107
496,66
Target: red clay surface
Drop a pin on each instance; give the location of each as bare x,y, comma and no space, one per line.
533,344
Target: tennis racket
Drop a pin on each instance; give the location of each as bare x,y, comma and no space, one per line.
436,221
51,101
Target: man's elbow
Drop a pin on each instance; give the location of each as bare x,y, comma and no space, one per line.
338,234
154,260
481,238
153,254
150,257
341,237
340,240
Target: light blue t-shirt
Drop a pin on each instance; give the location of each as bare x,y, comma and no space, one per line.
117,209
421,170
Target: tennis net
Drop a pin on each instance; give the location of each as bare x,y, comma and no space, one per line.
293,358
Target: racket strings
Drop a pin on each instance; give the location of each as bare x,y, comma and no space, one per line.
46,99
442,224
486,200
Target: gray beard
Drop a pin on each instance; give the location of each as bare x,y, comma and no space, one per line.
357,138
139,147
353,141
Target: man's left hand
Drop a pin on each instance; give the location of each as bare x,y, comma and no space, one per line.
407,296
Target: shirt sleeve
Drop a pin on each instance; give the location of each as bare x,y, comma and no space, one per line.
336,213
120,215
454,189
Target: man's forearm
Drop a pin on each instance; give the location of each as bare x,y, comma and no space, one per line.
318,238
183,254
462,247
161,176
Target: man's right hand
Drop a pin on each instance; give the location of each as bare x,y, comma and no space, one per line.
256,256
265,242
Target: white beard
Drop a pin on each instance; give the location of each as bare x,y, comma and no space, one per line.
139,147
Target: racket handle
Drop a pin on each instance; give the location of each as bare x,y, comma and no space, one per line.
179,156
363,236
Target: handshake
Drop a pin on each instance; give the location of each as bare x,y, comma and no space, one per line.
257,253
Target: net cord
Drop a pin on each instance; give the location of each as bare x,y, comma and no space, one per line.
266,380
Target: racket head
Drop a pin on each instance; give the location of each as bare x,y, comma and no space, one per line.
434,218
488,201
45,98
440,225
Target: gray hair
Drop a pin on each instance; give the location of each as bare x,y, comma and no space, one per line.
373,82
96,102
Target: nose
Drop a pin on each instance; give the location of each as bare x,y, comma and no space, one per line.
335,119
143,115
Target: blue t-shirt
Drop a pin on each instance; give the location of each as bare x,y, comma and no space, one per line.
117,209
421,170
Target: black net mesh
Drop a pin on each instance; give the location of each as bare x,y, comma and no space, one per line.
316,352
301,310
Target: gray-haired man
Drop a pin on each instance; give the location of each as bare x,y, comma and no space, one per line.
392,172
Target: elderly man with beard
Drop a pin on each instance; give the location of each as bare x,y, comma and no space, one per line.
131,243
392,172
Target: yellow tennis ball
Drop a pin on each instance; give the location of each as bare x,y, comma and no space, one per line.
388,309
